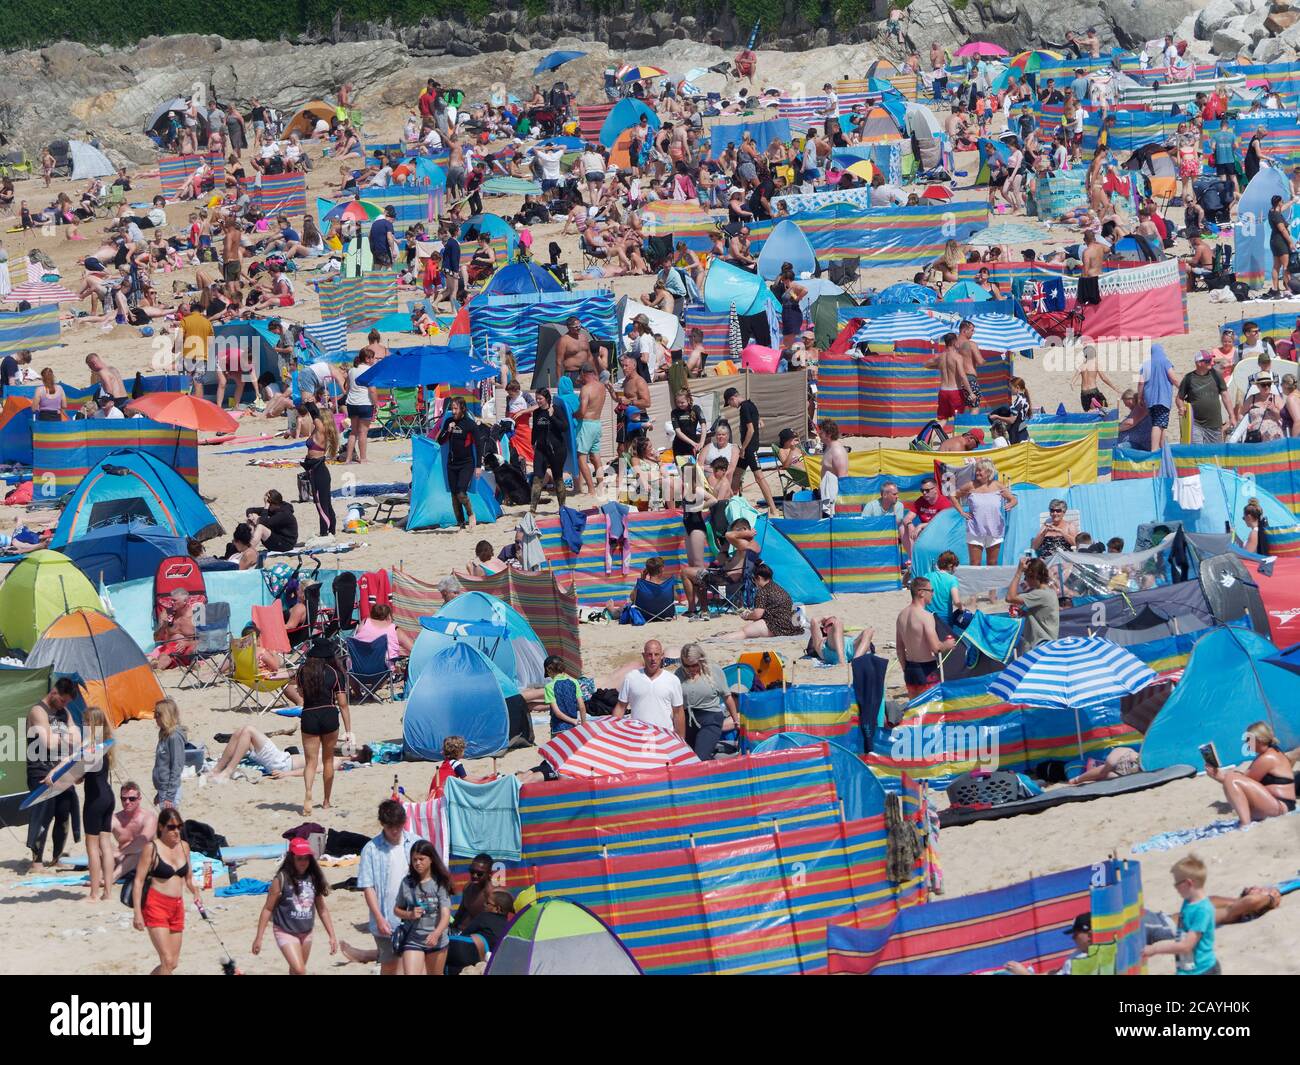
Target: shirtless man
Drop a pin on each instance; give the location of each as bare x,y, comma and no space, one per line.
634,391
738,541
134,827
971,361
573,351
231,250
918,641
953,382
108,379
835,462
1089,374
175,632
1094,255
587,435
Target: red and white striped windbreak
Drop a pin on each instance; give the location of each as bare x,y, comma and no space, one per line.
612,746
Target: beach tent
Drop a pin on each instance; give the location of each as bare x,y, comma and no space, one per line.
430,496
786,244
725,285
624,115
859,792
520,653
115,553
662,323
21,688
557,937
502,234
16,430
795,573
112,669
43,586
88,161
519,278
157,121
304,120
966,292
461,693
130,485
826,317
879,126
1226,686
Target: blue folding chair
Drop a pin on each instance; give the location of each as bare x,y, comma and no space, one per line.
368,668
657,602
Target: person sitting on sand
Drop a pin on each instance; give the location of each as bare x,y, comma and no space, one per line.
485,562
258,746
772,613
1266,787
134,827
1081,933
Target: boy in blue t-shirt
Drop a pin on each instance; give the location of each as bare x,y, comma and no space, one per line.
1193,950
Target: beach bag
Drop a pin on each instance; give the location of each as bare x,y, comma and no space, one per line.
631,615
983,790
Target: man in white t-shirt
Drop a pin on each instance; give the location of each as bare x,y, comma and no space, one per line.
653,695
830,110
550,159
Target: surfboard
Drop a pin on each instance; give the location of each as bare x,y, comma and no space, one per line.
68,775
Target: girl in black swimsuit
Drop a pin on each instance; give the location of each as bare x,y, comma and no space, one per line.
1254,794
97,809
321,681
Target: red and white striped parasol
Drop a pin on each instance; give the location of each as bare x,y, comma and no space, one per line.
37,292
613,746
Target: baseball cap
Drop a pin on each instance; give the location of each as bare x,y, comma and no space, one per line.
977,433
1204,356
299,846
1082,923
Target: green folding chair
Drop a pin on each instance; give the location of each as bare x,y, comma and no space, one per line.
403,415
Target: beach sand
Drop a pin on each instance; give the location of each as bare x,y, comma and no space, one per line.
52,931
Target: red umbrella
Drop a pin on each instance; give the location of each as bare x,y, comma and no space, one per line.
937,192
184,411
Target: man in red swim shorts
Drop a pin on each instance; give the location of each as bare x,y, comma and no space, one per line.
952,379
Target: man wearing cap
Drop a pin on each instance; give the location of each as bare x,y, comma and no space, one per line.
967,441
1207,392
106,407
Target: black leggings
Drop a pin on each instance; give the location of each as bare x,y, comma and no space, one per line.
544,462
318,472
459,477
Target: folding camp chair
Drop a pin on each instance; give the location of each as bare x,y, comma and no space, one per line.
368,668
791,481
272,635
245,676
656,602
844,272
730,594
386,504
211,645
591,255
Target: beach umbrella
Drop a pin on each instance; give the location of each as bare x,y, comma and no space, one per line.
185,412
353,210
1007,233
981,48
1032,61
606,747
1073,672
428,365
937,193
1003,332
902,325
556,60
37,292
640,72
862,169
906,292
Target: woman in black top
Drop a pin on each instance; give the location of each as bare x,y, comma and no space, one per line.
97,809
1280,244
321,683
689,428
276,527
550,447
457,436
789,292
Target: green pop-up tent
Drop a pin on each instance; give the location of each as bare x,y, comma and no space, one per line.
559,937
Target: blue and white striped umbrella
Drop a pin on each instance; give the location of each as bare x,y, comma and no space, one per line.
1073,672
1003,332
902,325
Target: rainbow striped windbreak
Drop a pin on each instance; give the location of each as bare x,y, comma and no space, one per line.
1027,922
676,807
31,329
850,554
596,582
1051,429
175,170
361,300
1274,464
64,452
280,194
826,711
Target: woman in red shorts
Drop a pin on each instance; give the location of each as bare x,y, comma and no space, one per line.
166,872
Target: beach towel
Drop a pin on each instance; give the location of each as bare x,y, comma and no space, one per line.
869,691
531,555
428,820
243,886
572,523
484,818
1167,841
995,636
616,535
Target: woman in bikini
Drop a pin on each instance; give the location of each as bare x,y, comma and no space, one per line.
166,873
1266,787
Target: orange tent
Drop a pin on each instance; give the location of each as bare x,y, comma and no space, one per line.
112,668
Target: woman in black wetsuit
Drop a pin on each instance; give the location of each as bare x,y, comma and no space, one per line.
457,436
789,292
97,808
550,447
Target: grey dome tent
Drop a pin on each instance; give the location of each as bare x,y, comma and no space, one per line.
88,161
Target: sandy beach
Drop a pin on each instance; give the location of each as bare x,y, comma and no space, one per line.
51,930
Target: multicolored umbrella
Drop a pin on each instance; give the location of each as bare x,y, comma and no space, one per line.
1032,61
607,747
1003,332
735,343
353,210
981,48
862,169
640,72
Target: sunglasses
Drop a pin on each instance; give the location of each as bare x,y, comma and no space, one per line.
1056,512
172,826
130,798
